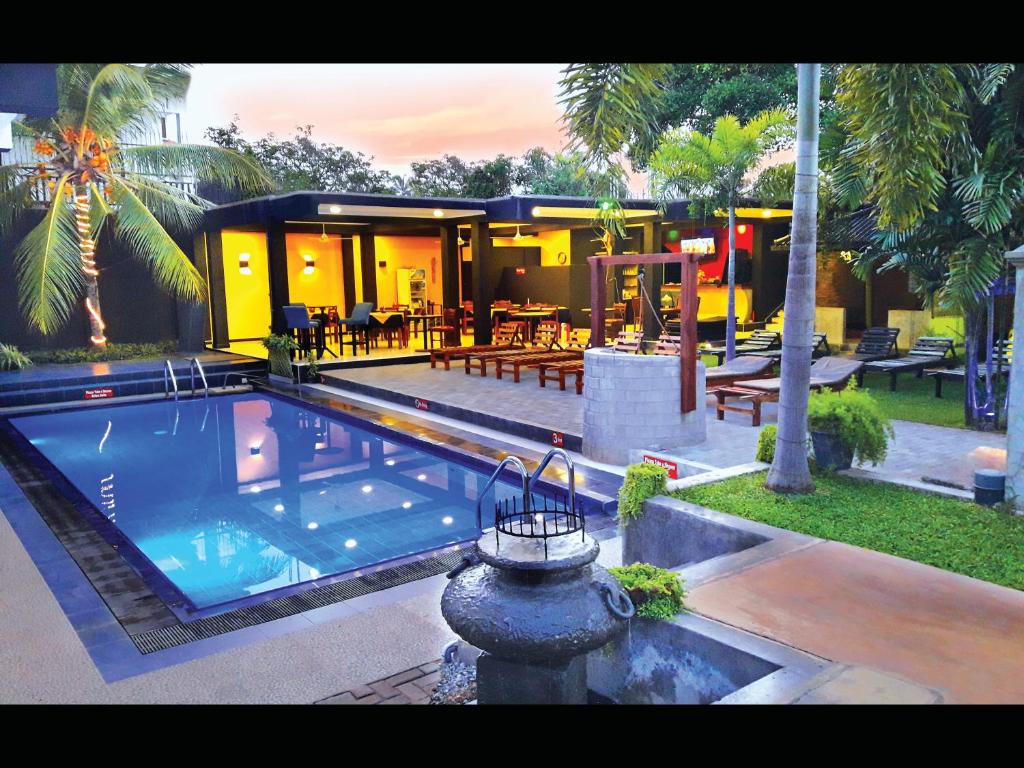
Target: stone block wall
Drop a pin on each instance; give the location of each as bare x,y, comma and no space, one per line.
632,402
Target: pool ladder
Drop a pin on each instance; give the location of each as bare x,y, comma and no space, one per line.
528,480
171,381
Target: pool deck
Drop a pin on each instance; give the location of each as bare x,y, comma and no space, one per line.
918,450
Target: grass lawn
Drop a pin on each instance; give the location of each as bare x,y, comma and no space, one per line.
915,400
954,535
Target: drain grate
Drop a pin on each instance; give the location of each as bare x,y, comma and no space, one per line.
250,616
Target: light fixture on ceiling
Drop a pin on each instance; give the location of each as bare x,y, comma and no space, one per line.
323,234
310,264
518,235
459,240
243,264
335,209
438,213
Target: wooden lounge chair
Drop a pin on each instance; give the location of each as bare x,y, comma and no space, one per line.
628,341
559,372
507,338
667,344
928,351
1002,357
832,372
759,341
819,348
738,369
579,340
877,343
545,338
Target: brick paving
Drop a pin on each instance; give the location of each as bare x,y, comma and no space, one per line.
412,686
918,450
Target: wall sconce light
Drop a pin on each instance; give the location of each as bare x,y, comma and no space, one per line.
243,264
310,264
254,450
382,264
741,229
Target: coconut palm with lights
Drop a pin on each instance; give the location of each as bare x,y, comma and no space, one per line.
95,180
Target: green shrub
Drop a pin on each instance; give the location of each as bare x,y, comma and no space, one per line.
642,482
279,346
12,358
766,444
111,351
656,592
856,417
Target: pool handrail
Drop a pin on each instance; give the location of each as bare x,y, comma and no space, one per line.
518,464
168,369
563,454
193,364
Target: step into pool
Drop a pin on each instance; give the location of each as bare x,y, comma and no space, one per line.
237,496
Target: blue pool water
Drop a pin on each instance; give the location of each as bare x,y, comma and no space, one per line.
237,495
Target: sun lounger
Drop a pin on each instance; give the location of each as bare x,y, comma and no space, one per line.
758,341
546,339
579,340
508,337
819,348
928,351
559,372
877,343
737,369
832,372
1002,357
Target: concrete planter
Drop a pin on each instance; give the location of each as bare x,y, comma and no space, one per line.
690,660
673,533
830,452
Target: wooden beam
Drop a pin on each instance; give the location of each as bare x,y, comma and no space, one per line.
368,267
688,334
598,299
449,266
647,258
483,290
277,264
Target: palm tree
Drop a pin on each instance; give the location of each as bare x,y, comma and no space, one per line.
92,177
789,471
710,170
938,151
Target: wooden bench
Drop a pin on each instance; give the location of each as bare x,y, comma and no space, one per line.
927,351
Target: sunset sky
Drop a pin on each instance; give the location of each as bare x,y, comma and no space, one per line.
397,113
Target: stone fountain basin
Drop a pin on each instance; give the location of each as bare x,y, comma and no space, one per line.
693,660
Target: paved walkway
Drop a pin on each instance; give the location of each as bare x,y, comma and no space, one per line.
951,633
918,450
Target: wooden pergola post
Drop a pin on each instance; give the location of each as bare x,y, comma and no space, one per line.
687,311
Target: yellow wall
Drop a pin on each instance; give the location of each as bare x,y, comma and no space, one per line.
550,243
714,301
248,296
403,252
324,287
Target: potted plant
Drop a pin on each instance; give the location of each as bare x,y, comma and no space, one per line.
12,358
311,373
847,425
279,348
657,593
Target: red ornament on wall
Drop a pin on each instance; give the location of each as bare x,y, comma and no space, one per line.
433,269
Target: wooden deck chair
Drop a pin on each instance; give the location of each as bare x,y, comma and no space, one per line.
507,337
546,338
579,340
927,352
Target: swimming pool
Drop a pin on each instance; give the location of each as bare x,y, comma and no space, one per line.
240,495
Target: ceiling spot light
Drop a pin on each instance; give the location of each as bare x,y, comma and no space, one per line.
335,209
742,229
279,507
366,488
323,233
438,213
350,543
312,526
535,211
767,213
447,520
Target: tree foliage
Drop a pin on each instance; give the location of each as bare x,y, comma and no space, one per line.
302,163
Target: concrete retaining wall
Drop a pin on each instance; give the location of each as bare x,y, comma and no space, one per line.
632,402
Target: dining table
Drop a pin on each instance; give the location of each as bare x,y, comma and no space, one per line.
390,319
426,320
533,317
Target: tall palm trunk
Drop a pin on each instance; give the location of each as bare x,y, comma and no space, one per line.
789,472
730,312
87,252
